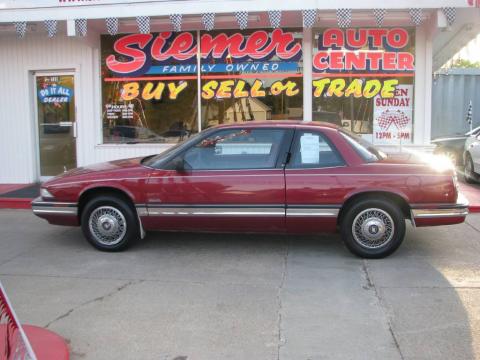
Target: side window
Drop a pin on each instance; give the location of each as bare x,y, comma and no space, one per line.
313,150
236,149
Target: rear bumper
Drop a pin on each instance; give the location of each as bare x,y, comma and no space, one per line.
444,214
59,213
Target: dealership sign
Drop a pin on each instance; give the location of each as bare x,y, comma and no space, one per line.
168,52
374,50
55,94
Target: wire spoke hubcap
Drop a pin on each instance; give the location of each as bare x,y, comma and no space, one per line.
107,225
373,228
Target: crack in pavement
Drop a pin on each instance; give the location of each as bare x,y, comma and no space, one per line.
281,340
371,286
97,299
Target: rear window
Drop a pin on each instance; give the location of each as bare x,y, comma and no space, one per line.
363,148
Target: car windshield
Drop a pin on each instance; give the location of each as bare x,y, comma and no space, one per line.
153,159
365,149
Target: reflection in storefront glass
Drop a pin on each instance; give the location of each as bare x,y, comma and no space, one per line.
156,103
252,75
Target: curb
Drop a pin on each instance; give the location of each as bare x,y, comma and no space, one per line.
15,203
474,208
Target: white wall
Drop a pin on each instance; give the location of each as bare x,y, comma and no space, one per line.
18,59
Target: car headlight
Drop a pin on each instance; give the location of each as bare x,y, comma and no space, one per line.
44,193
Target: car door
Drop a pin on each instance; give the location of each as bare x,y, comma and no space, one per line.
313,192
230,180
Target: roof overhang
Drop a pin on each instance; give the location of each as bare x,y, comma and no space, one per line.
39,10
450,40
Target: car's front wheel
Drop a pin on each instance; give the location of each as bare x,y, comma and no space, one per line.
373,228
109,223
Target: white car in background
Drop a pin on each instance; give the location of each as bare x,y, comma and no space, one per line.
471,157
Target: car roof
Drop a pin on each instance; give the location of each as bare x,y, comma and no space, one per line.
279,123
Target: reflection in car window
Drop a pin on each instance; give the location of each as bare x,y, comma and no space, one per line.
155,160
313,150
234,149
367,151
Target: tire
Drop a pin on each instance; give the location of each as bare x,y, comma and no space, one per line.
468,172
113,219
373,240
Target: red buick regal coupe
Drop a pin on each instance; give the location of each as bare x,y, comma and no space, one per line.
270,177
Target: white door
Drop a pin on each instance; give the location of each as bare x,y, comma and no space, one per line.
55,120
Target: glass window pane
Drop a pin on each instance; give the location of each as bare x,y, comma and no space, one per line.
363,80
236,149
251,75
56,121
149,87
313,150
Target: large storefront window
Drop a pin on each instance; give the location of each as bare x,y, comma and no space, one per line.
150,82
251,75
363,80
149,87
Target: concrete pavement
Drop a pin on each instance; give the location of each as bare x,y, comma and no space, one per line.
204,296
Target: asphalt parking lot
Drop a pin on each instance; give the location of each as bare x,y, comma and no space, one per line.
204,296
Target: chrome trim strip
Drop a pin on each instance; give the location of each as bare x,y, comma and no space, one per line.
53,204
220,211
142,210
307,212
255,210
38,209
439,213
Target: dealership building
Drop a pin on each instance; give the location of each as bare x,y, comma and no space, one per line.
87,81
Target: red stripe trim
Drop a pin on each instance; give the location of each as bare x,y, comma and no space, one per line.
146,78
252,76
341,75
194,77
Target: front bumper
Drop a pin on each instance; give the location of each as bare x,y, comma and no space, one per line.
55,212
444,214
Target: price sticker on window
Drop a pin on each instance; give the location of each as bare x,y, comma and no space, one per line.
310,148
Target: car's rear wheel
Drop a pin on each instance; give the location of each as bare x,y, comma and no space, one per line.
373,228
469,173
109,223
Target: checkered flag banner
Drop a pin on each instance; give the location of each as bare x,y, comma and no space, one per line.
379,15
451,14
81,27
470,113
344,17
20,28
242,19
176,20
416,15
51,27
112,25
208,21
143,24
309,17
14,344
389,118
275,17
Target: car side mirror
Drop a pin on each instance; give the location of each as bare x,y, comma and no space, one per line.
178,164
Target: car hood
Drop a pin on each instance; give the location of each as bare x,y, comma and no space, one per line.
99,170
449,138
